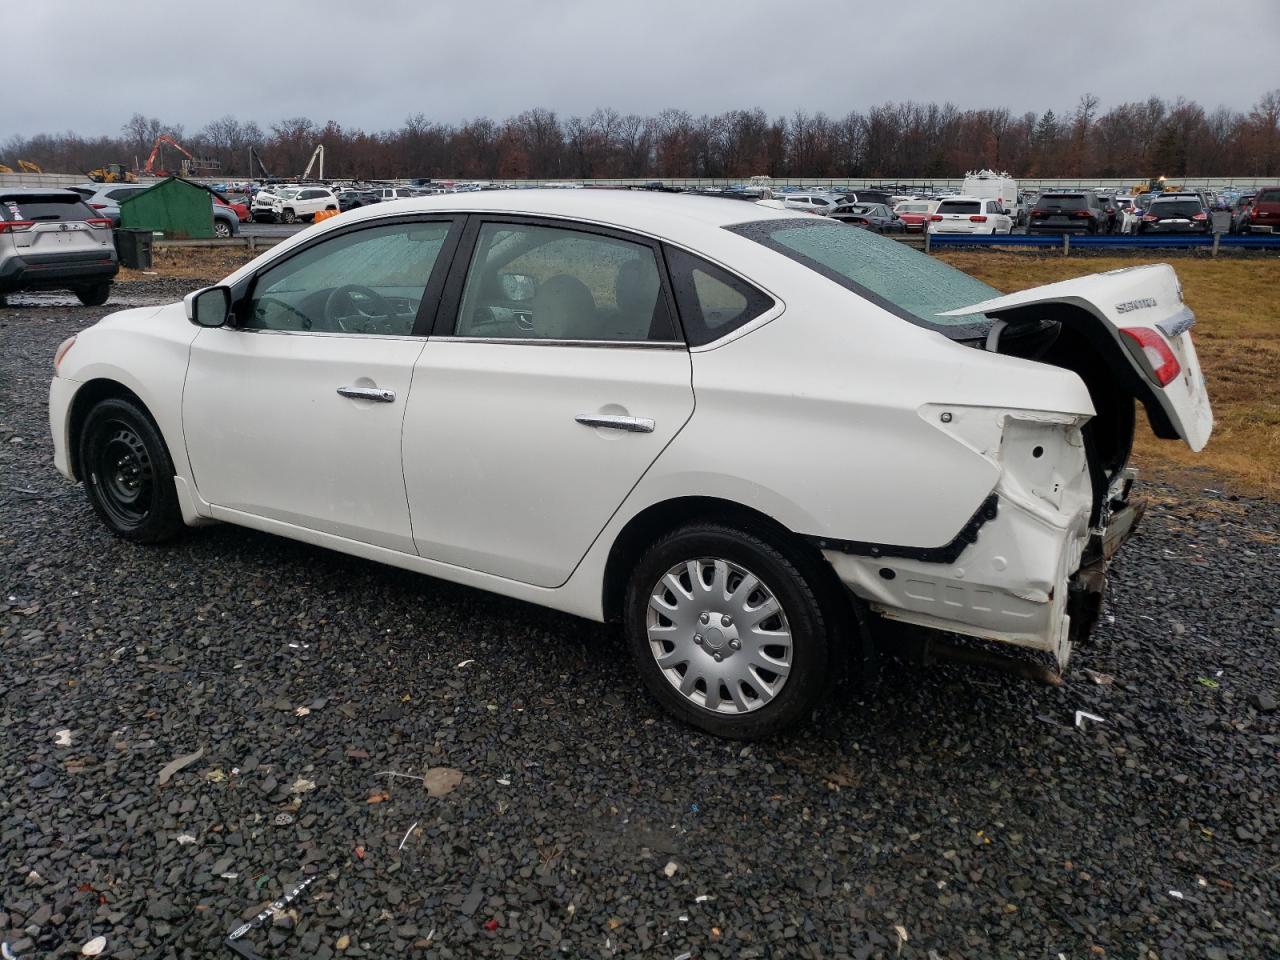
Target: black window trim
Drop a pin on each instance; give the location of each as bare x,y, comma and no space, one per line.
242,290
446,320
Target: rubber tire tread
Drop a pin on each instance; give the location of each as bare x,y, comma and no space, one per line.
783,570
164,520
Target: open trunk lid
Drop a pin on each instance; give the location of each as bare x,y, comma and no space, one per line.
1137,319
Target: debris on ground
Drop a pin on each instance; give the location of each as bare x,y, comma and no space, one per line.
442,781
179,763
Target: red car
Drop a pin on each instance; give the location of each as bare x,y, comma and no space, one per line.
914,214
241,209
1264,215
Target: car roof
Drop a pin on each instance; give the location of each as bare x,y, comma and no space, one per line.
644,211
966,198
14,192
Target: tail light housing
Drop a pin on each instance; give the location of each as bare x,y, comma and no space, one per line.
99,221
63,348
937,217
1161,364
98,206
1081,214
1038,213
1201,216
978,218
16,226
1149,218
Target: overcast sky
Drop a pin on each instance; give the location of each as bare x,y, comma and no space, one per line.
371,64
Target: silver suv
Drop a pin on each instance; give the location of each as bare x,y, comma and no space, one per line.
50,239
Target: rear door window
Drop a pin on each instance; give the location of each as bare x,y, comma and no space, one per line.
1063,201
1176,208
959,207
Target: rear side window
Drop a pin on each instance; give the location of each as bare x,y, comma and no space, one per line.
1175,208
910,285
959,206
712,302
51,207
1064,201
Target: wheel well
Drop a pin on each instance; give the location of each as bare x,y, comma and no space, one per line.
87,397
649,524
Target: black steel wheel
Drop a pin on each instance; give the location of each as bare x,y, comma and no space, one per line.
128,475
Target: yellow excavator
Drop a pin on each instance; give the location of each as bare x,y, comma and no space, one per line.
112,173
24,166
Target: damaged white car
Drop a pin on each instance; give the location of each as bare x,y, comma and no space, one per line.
746,441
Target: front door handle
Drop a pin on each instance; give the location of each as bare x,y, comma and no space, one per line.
376,394
611,422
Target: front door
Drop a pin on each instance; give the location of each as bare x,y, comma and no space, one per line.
561,381
294,414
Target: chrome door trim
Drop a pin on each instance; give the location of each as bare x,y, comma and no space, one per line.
612,422
376,394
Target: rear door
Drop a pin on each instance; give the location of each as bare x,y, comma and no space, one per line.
554,380
955,216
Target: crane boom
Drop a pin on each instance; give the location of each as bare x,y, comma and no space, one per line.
317,154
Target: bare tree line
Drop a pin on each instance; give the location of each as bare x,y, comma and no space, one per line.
1150,137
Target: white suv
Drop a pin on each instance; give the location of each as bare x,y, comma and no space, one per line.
822,203
970,215
303,203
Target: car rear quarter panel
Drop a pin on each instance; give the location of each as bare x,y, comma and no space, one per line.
818,420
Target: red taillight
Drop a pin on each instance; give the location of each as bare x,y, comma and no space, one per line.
1081,214
98,206
1162,364
16,226
1201,216
1037,212
978,219
936,216
99,221
1149,218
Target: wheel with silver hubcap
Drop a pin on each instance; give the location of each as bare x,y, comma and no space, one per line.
727,632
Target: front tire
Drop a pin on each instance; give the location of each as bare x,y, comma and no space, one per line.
728,632
222,230
128,474
93,296
290,216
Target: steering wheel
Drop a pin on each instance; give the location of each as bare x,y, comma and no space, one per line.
303,320
342,305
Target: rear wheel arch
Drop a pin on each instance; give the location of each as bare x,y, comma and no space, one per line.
849,620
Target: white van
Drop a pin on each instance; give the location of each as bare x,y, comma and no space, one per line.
989,185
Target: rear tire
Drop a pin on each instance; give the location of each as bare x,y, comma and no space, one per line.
95,295
222,230
708,663
128,474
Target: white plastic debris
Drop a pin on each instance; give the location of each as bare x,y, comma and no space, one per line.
302,712
94,947
62,738
671,868
1083,715
302,785
465,663
186,839
1176,894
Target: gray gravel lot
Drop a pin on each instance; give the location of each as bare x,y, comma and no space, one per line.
944,812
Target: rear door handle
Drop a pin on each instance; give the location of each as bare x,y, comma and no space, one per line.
376,394
611,422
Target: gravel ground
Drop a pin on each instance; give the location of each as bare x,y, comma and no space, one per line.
938,812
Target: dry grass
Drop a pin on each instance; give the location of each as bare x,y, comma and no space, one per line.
197,263
1237,336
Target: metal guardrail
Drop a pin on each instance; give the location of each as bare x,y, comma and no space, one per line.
1214,243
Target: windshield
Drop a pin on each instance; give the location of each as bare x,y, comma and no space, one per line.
907,283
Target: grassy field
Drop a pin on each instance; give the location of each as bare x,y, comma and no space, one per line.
1237,335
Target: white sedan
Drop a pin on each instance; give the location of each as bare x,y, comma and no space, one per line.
747,434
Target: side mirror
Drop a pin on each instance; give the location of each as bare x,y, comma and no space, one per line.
210,307
518,287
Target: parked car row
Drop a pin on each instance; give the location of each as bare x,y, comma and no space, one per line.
106,197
